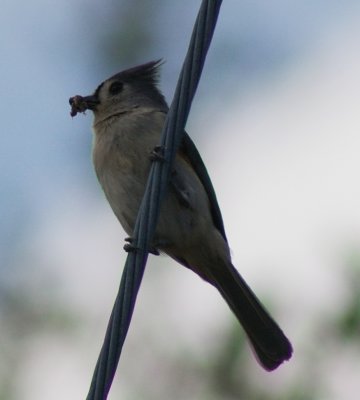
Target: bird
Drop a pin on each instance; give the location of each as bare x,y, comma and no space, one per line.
129,113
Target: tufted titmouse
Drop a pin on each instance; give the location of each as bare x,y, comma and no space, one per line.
129,114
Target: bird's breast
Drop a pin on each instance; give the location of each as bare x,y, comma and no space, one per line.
121,156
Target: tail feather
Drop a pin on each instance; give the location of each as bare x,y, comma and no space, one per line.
269,342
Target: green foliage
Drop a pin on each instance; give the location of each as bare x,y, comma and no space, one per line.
349,320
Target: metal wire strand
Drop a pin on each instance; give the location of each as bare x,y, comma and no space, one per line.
149,210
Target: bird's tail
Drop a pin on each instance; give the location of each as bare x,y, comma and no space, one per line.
267,339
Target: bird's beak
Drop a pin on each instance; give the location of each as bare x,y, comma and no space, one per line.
81,104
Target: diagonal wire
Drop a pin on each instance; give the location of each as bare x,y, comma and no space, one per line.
149,210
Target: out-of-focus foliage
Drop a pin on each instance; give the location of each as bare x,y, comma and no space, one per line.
349,321
132,35
26,315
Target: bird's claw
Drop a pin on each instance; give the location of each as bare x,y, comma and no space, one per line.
129,247
157,154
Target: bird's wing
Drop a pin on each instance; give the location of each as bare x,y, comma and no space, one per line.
189,151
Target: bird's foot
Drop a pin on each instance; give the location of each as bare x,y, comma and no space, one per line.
157,154
129,247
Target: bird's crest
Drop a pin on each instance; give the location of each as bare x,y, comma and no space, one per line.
147,73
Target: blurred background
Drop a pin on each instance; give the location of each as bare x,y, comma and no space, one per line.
276,119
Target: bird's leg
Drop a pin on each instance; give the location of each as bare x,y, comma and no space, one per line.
129,247
157,154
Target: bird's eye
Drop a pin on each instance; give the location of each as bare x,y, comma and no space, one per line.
115,87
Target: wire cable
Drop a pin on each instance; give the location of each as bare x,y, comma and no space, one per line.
149,210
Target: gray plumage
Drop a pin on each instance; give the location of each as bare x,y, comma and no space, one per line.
129,114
